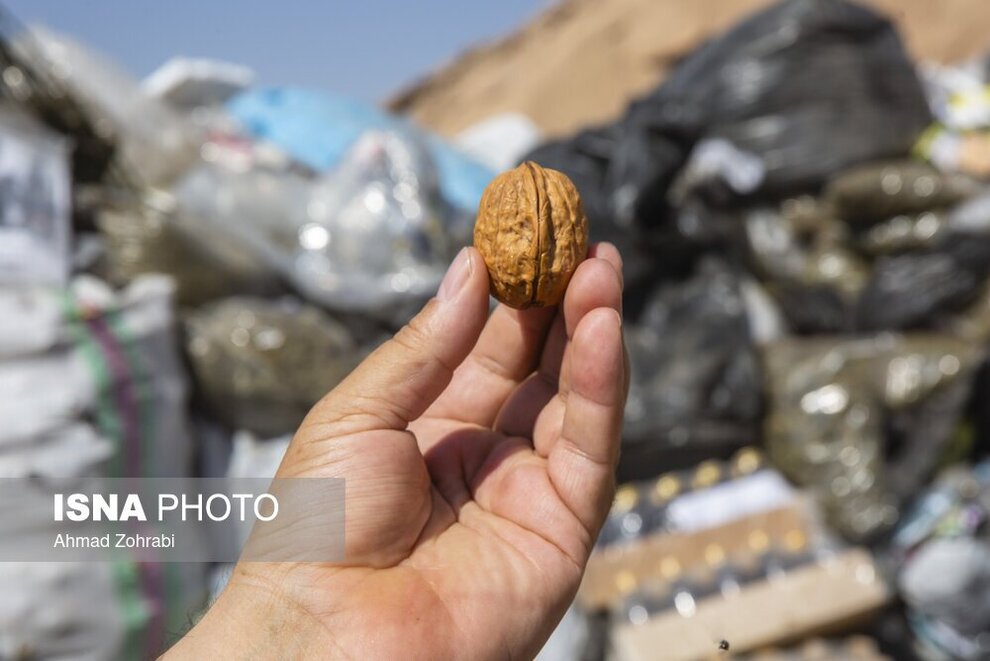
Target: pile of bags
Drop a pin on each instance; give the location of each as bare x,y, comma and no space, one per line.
92,385
805,223
807,270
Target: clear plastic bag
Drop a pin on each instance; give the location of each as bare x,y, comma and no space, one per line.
371,237
261,365
35,200
153,143
199,256
864,421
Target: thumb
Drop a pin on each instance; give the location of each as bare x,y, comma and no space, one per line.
400,379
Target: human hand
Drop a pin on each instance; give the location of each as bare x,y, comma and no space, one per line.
479,455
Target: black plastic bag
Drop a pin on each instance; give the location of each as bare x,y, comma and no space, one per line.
801,254
696,385
915,289
809,87
811,308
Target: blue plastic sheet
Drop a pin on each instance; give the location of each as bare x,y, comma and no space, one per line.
316,128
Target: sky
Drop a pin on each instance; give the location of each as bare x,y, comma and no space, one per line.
367,49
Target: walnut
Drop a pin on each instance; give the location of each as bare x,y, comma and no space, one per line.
532,233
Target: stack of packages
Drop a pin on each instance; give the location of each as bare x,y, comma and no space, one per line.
91,385
807,269
725,551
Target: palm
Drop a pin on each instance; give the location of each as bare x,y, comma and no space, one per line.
480,512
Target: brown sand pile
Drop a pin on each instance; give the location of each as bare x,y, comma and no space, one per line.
582,61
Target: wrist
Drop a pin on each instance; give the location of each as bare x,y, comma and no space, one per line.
254,618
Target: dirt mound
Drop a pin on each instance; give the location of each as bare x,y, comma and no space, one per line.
582,61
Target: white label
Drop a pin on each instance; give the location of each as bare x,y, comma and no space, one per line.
709,508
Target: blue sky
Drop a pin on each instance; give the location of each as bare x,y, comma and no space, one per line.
362,48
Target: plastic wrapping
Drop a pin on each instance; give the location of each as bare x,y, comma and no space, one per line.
197,255
878,191
802,253
499,141
372,237
585,158
110,361
889,273
957,93
832,403
250,457
60,610
695,383
378,231
30,320
260,365
154,143
96,390
905,232
942,554
915,289
802,89
190,83
319,129
34,202
72,450
960,99
973,215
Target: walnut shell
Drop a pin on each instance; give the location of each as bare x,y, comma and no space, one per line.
532,232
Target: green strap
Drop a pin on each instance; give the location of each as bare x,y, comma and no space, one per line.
129,597
173,597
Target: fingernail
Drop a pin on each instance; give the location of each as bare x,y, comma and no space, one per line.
457,276
618,318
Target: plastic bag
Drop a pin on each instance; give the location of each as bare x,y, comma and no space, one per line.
60,610
973,215
30,320
807,87
99,390
586,158
878,191
802,254
917,289
319,129
201,258
34,202
906,232
942,555
958,93
378,236
71,451
190,83
843,418
261,365
110,361
372,237
499,141
154,143
695,386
